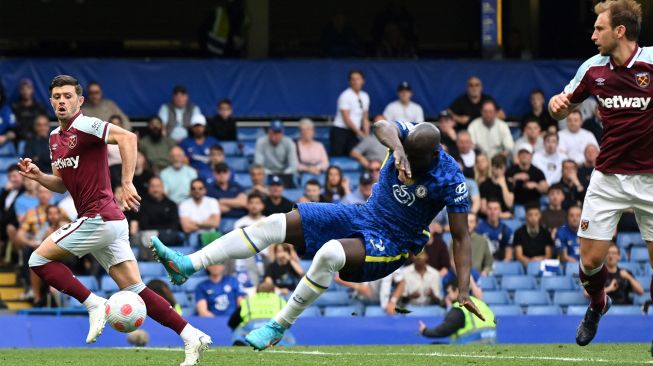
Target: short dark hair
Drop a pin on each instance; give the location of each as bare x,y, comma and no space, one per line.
570,161
283,246
612,244
62,80
532,206
490,101
493,200
453,283
224,101
551,134
197,180
498,161
216,147
179,89
114,116
255,194
355,71
93,82
556,187
13,168
52,206
577,111
313,182
537,91
623,12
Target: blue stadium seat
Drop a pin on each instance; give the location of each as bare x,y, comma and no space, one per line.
531,297
146,280
8,149
347,310
151,269
4,178
6,162
354,178
507,268
293,194
182,299
633,267
306,264
576,309
243,179
518,283
569,298
346,164
135,250
639,254
332,298
188,311
488,283
520,212
645,281
425,311
231,148
502,310
249,133
513,224
558,283
311,312
248,148
625,310
641,299
191,284
627,239
21,148
238,164
496,298
338,287
544,310
108,285
227,224
90,282
71,302
321,133
533,268
571,269
375,311
292,132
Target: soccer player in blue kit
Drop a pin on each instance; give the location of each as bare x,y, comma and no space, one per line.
360,242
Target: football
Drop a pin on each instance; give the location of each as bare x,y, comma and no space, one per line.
125,311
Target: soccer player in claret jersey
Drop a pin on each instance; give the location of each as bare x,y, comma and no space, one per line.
620,79
78,150
361,242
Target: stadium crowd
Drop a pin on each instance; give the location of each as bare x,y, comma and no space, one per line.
200,176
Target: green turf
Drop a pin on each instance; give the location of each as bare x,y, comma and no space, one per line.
503,355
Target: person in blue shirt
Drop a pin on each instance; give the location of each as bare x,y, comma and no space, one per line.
7,119
220,295
499,234
362,243
197,146
230,194
566,237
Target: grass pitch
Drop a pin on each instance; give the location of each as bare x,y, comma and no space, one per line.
503,355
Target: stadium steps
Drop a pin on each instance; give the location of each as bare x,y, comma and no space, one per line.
10,293
7,278
18,305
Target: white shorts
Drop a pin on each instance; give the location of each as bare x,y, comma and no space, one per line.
606,198
107,241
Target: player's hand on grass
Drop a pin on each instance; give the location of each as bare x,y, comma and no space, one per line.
28,169
402,164
560,102
130,198
464,300
421,327
390,308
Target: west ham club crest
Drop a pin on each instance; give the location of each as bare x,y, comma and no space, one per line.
643,79
72,141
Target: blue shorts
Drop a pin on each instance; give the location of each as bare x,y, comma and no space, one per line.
385,249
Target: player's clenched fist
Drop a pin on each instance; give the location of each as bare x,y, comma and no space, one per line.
28,169
560,102
402,165
464,300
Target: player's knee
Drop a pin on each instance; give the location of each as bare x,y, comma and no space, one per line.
136,288
36,260
331,256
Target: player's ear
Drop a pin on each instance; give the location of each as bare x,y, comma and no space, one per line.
81,100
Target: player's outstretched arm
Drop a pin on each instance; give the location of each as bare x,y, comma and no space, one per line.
462,253
52,182
127,143
388,134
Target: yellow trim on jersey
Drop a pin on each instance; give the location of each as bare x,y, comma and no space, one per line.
387,155
320,290
370,258
251,246
426,233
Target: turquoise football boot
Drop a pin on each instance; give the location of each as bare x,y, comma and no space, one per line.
265,336
178,266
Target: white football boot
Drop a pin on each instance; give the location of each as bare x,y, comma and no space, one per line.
96,321
195,347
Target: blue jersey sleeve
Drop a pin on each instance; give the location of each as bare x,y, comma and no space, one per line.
404,128
456,197
560,240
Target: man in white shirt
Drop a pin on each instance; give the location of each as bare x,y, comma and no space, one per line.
420,283
199,213
177,176
550,160
404,109
574,139
352,121
466,150
177,114
490,134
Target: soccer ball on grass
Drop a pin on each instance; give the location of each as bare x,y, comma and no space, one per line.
125,311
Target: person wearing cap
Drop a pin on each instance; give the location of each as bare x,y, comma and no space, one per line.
27,109
403,109
277,153
352,122
177,113
230,194
447,127
95,105
197,146
489,133
364,191
275,202
467,107
528,181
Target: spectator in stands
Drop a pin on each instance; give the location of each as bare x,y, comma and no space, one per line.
278,154
420,285
352,122
620,282
574,139
162,288
540,114
177,177
489,133
371,293
220,295
159,213
554,215
497,188
529,181
285,271
199,213
362,194
275,202
594,125
437,249
312,192
374,168
26,110
311,154
586,169
95,105
33,221
198,145
369,149
223,125
531,134
115,160
230,194
27,199
467,107
250,270
497,232
8,219
481,255
566,237
142,174
467,153
481,168
257,176
448,136
403,109
550,160
7,119
155,145
474,195
177,114
571,186
255,206
533,242
336,186
37,147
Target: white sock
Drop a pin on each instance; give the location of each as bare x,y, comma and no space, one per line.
327,261
93,301
242,243
188,333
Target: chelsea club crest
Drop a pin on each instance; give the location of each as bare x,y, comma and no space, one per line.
420,191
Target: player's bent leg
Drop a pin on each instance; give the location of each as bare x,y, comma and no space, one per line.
328,260
593,275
